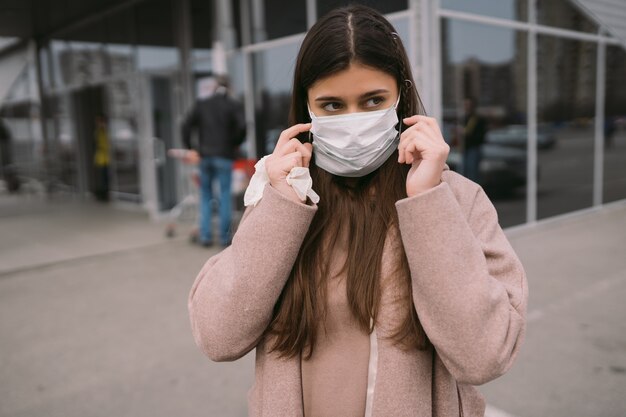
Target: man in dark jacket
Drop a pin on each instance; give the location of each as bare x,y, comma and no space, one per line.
220,123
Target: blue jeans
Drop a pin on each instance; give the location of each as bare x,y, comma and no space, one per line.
471,163
215,168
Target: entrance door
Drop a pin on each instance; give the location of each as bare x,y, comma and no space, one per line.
88,105
164,133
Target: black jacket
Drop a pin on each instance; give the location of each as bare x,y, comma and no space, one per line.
475,131
220,123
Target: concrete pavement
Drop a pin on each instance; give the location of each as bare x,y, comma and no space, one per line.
93,318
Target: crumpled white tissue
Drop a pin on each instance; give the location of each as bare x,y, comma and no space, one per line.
299,178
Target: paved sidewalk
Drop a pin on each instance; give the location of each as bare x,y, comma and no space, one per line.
93,319
37,232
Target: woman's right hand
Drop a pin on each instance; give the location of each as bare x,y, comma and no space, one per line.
288,153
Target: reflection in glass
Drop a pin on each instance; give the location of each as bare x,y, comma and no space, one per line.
122,130
21,153
504,9
85,63
484,111
273,75
564,14
615,125
566,88
60,51
63,148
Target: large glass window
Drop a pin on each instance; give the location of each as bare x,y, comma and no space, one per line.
273,75
566,88
63,152
615,125
23,148
60,57
484,110
563,14
123,135
389,6
504,9
87,61
19,115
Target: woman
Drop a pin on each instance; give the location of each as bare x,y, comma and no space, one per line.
397,292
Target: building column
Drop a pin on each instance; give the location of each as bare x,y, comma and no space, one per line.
37,46
531,110
182,28
598,163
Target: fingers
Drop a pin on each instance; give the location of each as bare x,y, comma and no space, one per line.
409,121
422,140
420,136
290,133
278,167
306,149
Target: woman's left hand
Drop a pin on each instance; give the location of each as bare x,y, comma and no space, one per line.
422,146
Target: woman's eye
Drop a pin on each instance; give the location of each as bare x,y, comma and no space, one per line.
333,106
374,101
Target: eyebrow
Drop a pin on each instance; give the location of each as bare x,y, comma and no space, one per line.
362,96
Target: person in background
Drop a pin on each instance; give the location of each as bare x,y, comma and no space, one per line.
475,129
220,123
7,170
101,159
609,132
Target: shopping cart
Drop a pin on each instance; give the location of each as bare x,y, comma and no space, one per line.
243,169
189,205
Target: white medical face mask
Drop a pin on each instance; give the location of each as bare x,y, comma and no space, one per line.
354,144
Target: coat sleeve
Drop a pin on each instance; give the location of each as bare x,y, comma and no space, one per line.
232,299
469,287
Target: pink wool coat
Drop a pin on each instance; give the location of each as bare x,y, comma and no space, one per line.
469,288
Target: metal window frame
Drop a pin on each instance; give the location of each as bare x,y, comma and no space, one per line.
601,39
598,163
427,70
531,111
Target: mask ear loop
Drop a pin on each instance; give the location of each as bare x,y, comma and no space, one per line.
309,137
407,86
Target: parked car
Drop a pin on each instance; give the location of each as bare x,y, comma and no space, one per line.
517,136
502,168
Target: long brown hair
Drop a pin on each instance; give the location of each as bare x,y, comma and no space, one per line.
362,208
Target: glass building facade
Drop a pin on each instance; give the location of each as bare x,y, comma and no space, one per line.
547,79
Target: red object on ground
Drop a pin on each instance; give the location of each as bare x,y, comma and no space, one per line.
246,165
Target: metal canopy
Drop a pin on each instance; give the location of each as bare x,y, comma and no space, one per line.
103,21
41,18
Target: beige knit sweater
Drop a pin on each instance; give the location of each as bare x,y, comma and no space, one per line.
469,288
